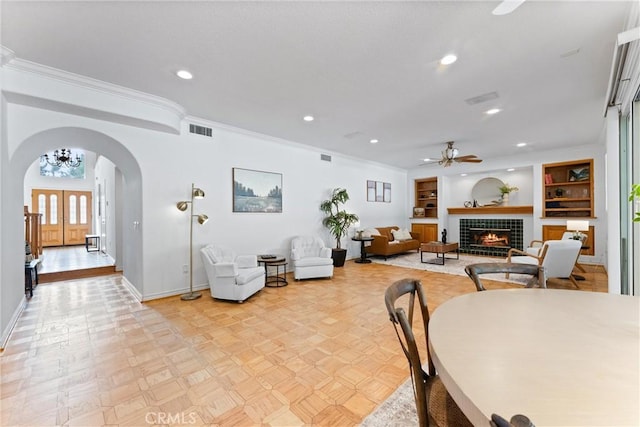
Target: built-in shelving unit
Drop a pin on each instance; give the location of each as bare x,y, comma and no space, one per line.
568,189
426,198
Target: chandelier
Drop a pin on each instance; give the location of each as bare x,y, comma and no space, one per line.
63,157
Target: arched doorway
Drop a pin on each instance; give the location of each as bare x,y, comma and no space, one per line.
129,193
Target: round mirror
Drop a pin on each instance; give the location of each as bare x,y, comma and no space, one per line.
486,191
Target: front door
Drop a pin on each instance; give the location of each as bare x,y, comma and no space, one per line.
66,215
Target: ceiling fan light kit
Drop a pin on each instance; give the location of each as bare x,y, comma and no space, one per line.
450,155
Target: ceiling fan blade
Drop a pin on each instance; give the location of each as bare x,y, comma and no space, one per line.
468,156
507,6
470,160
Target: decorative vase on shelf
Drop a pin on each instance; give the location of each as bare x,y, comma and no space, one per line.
505,199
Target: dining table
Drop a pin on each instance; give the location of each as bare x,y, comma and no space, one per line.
559,357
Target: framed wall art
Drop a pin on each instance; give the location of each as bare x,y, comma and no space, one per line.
378,191
257,191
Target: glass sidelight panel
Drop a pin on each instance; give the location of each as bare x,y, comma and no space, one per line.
42,207
73,216
53,209
83,209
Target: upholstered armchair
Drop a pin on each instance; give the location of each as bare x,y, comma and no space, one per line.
558,257
536,245
232,277
310,258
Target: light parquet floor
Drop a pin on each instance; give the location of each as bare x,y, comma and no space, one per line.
316,352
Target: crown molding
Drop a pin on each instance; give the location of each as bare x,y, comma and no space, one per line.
230,128
6,55
10,61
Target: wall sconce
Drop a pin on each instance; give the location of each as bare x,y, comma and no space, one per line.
196,193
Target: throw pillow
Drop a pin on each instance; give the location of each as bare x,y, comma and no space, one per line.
370,232
401,234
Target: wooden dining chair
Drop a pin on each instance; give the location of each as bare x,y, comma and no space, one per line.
435,407
535,271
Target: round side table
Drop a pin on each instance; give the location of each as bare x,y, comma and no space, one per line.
279,278
363,254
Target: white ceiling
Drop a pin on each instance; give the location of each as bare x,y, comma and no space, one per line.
363,69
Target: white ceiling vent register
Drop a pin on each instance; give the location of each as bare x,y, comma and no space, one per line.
200,130
482,98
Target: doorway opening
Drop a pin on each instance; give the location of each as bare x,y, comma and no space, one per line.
66,216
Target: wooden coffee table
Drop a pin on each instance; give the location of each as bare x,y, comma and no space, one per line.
438,248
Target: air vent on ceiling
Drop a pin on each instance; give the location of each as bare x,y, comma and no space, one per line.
482,98
325,157
200,130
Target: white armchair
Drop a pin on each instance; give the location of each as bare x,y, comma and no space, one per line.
558,257
536,245
311,258
231,277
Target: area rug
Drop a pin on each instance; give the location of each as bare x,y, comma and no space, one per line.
451,265
399,410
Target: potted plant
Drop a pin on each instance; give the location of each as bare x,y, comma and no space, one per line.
635,194
338,221
505,189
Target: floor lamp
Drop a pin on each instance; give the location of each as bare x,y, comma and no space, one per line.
196,193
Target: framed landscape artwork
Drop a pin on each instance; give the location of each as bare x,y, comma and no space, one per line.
257,191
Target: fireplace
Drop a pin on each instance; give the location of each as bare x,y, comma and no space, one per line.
491,237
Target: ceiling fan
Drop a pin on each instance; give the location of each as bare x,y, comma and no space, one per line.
450,155
507,6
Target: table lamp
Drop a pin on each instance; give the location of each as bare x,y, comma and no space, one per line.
358,232
577,226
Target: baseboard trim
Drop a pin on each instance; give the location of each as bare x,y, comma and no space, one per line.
132,289
12,323
174,293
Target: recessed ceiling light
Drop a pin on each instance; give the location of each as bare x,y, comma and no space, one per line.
426,160
184,74
493,111
521,144
374,141
308,118
448,59
463,174
510,170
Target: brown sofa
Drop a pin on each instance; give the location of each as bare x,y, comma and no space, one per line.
385,245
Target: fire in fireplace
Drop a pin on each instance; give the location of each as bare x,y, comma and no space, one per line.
490,237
